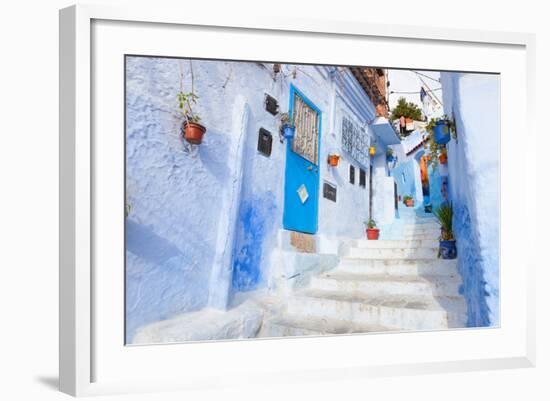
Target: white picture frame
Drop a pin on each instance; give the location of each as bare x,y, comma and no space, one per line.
81,344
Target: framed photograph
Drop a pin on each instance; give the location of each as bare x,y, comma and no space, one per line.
271,201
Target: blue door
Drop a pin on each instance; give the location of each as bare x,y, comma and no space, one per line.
302,166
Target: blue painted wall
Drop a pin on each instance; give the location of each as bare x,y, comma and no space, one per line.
474,189
254,229
407,186
435,187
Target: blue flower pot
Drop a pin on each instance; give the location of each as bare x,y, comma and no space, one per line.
288,132
390,158
442,133
447,249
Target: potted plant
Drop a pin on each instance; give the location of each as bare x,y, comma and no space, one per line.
447,242
372,231
287,126
408,200
333,159
192,130
443,156
389,155
440,129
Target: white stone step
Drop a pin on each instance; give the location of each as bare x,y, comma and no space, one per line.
393,253
403,244
396,311
376,285
420,237
398,267
295,325
421,229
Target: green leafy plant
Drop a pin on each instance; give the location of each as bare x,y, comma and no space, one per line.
186,102
370,223
449,125
444,215
406,109
434,150
407,198
389,152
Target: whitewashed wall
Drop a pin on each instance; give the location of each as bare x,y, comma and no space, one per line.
201,224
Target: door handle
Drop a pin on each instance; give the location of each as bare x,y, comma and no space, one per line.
310,168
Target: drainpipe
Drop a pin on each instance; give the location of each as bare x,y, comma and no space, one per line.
370,186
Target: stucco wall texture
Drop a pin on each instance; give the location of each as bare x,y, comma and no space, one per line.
180,196
474,180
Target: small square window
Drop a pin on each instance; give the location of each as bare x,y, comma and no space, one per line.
351,175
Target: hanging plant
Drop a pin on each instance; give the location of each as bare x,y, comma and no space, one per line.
436,153
288,127
443,156
333,159
192,130
441,129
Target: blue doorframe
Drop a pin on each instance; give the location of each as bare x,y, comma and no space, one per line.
301,173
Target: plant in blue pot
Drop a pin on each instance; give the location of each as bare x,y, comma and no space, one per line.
389,155
287,126
447,242
440,129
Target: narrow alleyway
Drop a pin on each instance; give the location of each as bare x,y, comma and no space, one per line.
379,286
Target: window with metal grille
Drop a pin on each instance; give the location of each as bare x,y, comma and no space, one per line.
306,137
355,141
362,178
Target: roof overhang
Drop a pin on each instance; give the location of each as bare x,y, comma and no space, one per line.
385,131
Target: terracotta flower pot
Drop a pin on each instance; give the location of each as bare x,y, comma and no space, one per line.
409,202
193,132
443,158
373,233
333,160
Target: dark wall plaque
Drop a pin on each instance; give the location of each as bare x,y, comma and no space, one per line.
329,191
271,104
265,140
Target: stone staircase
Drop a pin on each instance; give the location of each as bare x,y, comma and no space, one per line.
384,285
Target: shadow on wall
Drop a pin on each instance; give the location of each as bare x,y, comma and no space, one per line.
470,267
255,223
210,155
157,272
